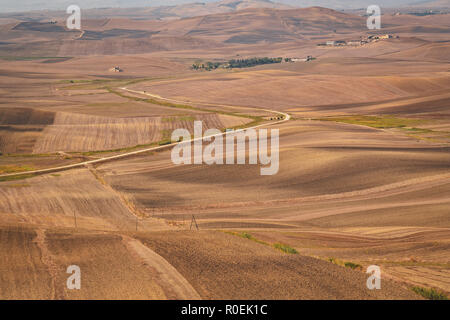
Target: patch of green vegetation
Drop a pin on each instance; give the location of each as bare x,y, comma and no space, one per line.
17,185
345,263
165,142
55,175
166,137
379,122
74,81
279,246
29,155
352,265
430,294
125,149
178,118
6,169
285,248
235,63
18,177
419,130
247,236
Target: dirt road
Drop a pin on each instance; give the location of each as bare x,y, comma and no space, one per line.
286,117
171,281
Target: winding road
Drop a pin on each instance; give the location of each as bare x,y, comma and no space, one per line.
286,117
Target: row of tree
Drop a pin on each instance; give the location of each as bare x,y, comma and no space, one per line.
246,63
235,63
208,66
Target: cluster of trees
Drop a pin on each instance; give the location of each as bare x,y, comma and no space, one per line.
239,63
246,63
208,66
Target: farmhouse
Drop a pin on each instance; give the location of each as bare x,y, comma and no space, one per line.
308,58
380,37
354,42
334,43
116,69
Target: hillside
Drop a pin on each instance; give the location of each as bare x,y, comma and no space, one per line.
113,36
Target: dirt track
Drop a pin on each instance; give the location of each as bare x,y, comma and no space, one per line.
171,281
286,117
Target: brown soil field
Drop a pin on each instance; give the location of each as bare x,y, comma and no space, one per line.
248,270
24,274
283,88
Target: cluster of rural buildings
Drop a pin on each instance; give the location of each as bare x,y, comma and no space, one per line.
359,42
308,58
116,69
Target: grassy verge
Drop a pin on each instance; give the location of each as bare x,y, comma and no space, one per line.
92,84
17,185
279,246
379,122
18,177
118,150
256,119
6,169
285,248
430,294
178,118
410,127
346,264
29,155
247,236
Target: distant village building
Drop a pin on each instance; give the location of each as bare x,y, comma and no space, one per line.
308,58
354,42
116,69
380,37
334,43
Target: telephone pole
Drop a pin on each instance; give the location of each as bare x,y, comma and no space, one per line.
193,221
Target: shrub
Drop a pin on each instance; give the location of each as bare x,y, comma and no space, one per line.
430,294
285,248
352,265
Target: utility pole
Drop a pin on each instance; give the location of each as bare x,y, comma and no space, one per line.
193,221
